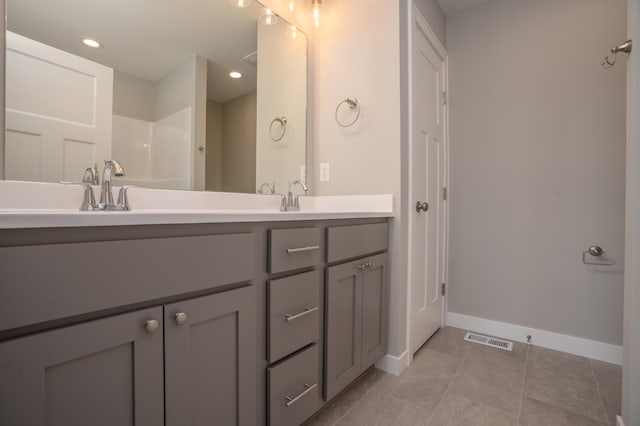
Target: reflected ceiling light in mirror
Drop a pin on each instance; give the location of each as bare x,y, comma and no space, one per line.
291,4
315,4
268,17
89,42
240,3
235,74
292,31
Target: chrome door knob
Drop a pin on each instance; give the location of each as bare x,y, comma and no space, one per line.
152,326
422,206
181,318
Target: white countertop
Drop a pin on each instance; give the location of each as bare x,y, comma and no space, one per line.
46,205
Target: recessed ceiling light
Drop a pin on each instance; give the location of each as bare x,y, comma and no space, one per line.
235,74
91,43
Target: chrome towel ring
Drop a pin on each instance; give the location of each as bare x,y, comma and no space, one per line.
624,47
283,128
353,105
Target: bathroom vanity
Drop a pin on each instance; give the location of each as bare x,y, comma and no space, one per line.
239,323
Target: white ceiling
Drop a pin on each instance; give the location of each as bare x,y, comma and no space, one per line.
451,7
149,38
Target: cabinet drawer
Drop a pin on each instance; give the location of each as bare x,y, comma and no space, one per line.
294,304
293,388
78,278
347,242
293,248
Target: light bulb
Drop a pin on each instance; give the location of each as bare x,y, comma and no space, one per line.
292,30
292,6
316,11
268,17
240,3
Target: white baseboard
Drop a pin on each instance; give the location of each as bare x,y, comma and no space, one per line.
619,421
546,339
393,364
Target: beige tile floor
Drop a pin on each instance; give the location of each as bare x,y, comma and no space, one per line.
453,382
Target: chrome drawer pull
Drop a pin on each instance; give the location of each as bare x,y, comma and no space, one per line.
302,249
306,311
309,388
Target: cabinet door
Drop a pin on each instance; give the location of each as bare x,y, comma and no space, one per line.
374,309
105,372
210,360
343,331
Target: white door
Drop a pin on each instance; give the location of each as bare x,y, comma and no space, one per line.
427,174
59,112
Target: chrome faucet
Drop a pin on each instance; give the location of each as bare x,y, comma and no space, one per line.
111,168
270,186
90,177
291,202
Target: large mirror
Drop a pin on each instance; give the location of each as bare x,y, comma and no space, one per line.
157,94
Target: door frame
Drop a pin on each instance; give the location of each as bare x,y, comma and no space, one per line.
415,17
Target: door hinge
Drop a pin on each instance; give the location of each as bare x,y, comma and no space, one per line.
444,193
444,289
444,98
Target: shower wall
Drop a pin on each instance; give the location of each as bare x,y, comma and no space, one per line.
156,154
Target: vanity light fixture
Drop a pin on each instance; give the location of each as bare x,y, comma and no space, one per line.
235,74
268,17
241,3
89,42
315,5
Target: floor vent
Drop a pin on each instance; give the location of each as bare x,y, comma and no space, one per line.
489,341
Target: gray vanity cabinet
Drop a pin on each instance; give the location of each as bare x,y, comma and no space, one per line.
356,334
101,373
210,369
343,332
355,302
374,310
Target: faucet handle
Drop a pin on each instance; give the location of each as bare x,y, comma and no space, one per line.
123,199
91,175
89,200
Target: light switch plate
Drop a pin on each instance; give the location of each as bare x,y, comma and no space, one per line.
324,172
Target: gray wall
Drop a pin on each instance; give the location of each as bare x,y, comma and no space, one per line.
435,17
537,164
213,176
239,144
631,356
133,97
2,46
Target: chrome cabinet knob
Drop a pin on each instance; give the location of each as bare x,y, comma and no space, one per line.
422,206
181,318
152,326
